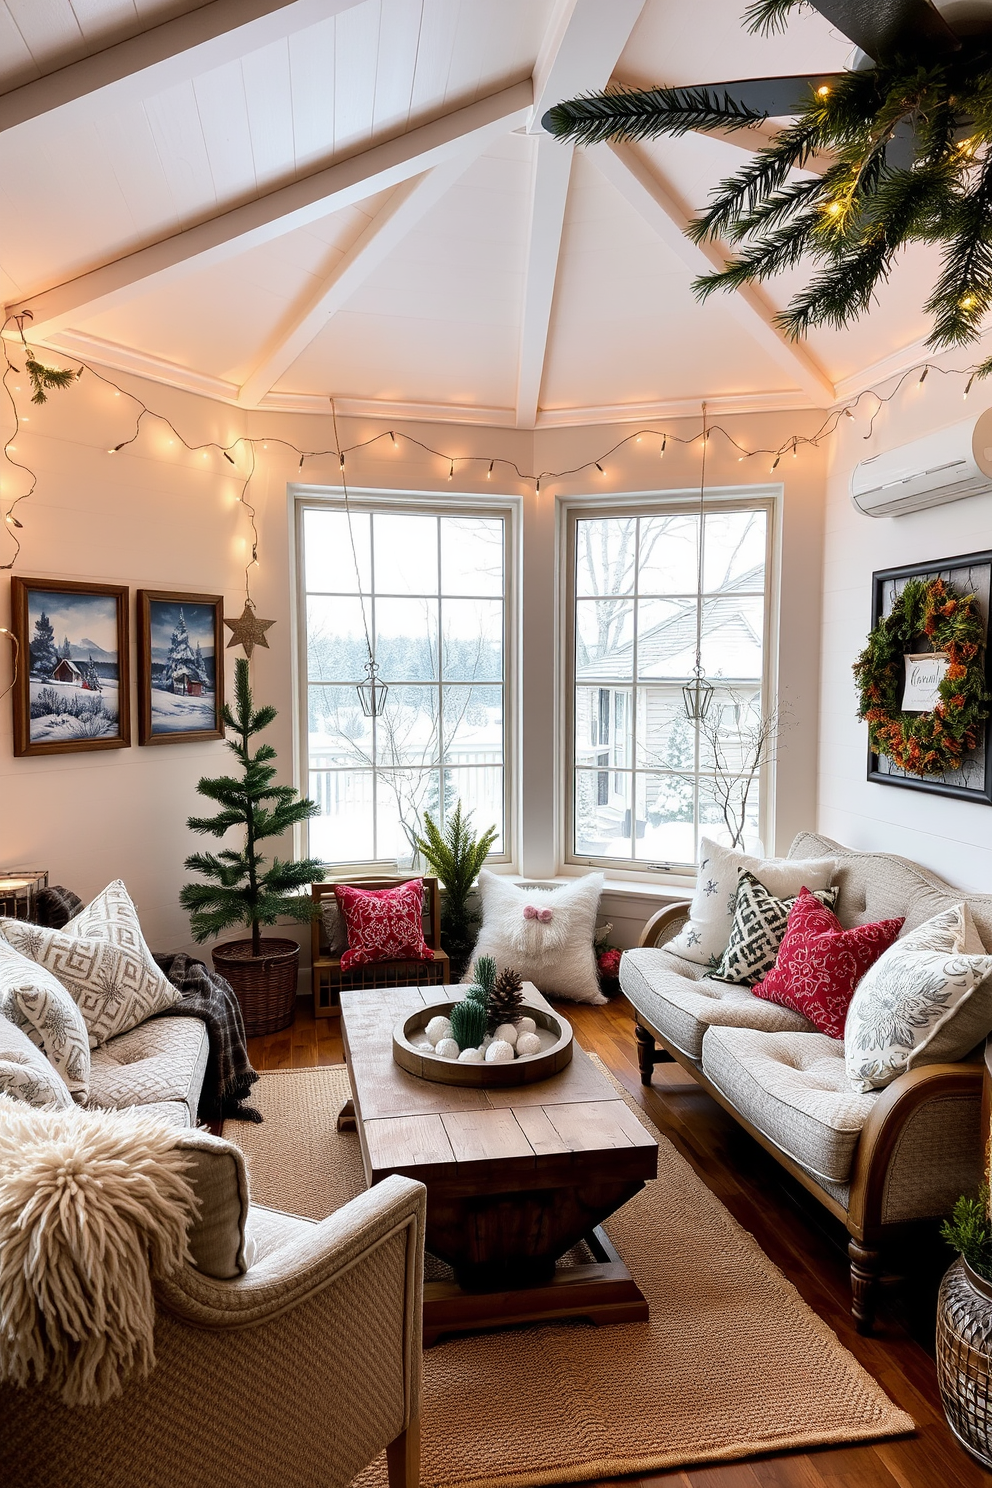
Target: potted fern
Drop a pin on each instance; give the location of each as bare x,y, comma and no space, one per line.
455,854
244,888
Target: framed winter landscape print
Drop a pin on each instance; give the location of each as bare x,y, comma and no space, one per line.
73,682
180,667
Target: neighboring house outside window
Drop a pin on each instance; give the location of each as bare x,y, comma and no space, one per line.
642,776
428,590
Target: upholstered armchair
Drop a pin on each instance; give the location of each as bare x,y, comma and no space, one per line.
297,1373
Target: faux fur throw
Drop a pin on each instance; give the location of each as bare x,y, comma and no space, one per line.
94,1206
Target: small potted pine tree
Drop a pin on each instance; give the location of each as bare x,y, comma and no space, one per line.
245,889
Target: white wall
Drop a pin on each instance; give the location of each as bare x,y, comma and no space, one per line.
157,516
952,837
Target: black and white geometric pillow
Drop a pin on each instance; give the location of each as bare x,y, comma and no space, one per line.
759,925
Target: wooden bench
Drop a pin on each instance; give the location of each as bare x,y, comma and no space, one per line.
329,979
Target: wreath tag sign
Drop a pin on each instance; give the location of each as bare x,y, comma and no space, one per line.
925,709
924,673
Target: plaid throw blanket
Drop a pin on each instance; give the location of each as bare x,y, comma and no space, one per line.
229,1075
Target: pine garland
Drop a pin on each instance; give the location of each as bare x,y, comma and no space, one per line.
933,743
852,220
43,378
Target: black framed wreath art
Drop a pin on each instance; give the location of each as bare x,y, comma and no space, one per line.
923,678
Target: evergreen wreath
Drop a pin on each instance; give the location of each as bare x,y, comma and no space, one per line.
931,743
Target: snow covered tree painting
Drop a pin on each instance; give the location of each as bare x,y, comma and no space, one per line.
179,663
70,697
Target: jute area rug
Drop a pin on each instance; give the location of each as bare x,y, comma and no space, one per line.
732,1363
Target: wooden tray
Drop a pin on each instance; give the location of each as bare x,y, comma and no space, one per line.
523,1071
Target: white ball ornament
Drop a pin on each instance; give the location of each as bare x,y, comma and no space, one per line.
447,1048
507,1032
437,1029
471,1056
528,1043
499,1052
526,1025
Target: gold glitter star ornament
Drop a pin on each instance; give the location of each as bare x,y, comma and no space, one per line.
248,631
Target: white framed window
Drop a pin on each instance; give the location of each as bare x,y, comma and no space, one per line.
429,587
644,782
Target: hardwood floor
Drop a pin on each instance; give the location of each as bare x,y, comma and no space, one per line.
795,1232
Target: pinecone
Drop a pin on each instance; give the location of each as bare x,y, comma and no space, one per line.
506,998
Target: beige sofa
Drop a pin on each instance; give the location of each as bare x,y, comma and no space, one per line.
882,1163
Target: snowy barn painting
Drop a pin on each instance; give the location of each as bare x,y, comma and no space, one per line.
179,650
74,637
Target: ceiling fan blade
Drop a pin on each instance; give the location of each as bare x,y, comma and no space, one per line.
776,97
883,27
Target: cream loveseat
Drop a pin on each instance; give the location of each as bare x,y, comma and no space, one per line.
298,1371
881,1162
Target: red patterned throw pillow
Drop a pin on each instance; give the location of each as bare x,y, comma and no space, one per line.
383,924
820,963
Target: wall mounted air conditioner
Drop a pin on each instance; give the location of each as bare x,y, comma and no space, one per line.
945,466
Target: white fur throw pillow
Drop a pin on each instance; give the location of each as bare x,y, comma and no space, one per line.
544,934
41,1007
101,957
93,1206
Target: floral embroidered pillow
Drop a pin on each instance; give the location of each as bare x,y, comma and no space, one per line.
37,1003
383,924
820,963
908,996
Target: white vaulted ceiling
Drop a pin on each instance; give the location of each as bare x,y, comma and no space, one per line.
279,202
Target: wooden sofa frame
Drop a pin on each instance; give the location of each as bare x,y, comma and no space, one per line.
863,1218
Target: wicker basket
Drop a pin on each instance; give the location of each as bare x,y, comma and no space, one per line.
264,985
964,1357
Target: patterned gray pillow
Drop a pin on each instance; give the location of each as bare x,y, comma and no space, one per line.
907,997
101,958
37,1003
759,924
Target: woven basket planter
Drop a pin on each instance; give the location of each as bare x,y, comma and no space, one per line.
264,985
964,1357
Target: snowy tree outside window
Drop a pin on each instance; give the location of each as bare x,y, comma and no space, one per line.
644,786
431,590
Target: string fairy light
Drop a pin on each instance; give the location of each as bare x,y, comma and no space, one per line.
143,411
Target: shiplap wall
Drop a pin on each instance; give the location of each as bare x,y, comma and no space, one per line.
952,837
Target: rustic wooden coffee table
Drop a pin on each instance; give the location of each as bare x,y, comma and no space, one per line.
515,1178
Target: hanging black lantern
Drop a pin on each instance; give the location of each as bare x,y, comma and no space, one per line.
372,692
698,694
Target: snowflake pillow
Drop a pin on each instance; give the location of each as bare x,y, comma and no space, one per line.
706,935
544,934
36,1003
908,996
383,924
113,986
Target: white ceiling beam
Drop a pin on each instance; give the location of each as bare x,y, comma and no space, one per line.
552,167
405,208
278,212
185,47
655,202
581,47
